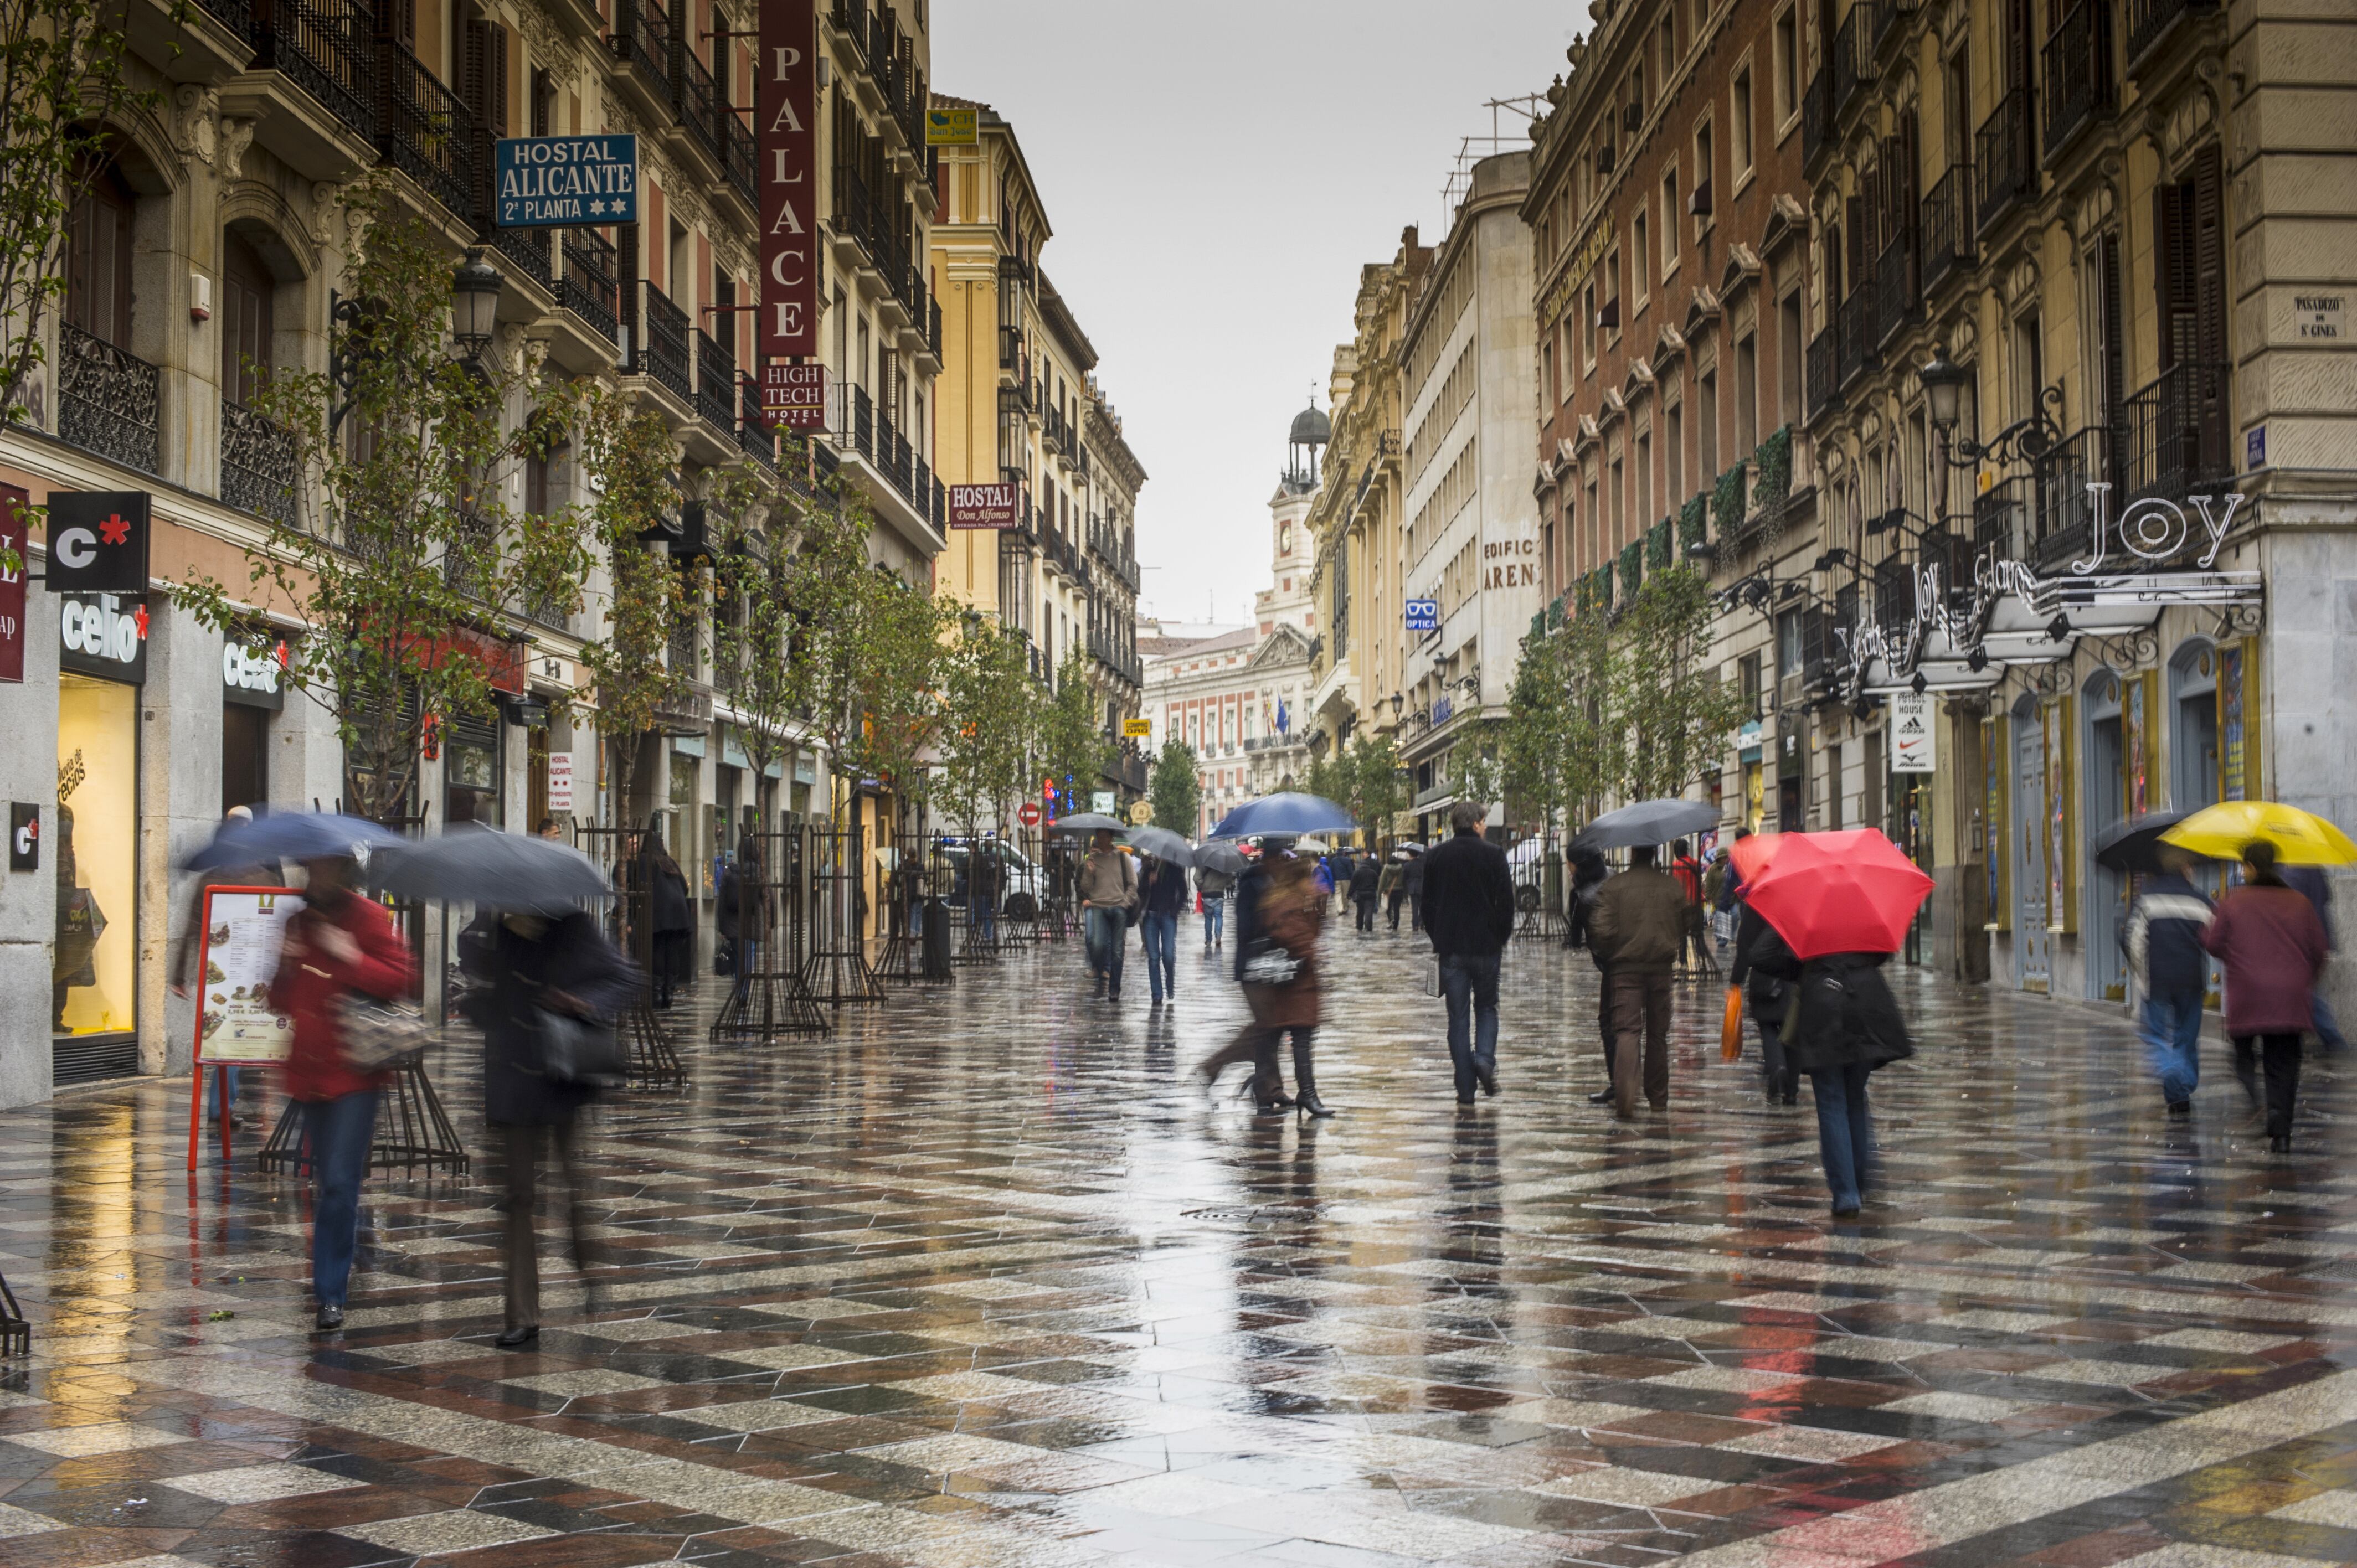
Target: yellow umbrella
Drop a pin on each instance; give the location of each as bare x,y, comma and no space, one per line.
2301,838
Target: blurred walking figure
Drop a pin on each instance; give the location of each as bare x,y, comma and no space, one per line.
525,966
1841,1023
1340,870
1688,873
982,887
2273,947
1162,898
184,958
1715,900
1108,892
1276,960
1213,888
2165,949
1636,926
669,917
1588,874
1413,879
1468,913
1391,886
2310,882
744,907
1768,997
549,830
1365,877
337,943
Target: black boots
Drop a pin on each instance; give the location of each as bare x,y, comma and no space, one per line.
1305,1081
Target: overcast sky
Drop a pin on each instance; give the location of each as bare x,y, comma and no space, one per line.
1216,173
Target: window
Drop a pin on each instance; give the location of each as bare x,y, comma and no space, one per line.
98,260
1644,478
1747,675
1666,44
1788,644
1791,352
1747,394
1640,260
1787,65
1673,478
1587,327
1707,428
1701,202
1619,500
1739,148
1669,220
245,289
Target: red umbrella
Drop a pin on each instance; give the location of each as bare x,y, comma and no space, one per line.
1754,854
1844,892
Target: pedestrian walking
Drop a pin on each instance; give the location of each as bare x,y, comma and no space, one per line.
1588,874
1212,888
1413,880
1276,960
1324,877
1768,996
2311,883
743,908
1688,873
1636,925
2165,929
1108,893
337,944
1714,897
1162,897
2272,944
1392,886
1841,1023
1366,876
981,890
671,922
525,967
256,874
1469,914
1343,867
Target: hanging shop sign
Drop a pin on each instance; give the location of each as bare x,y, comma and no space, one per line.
24,836
1136,729
1912,747
787,100
560,783
98,542
985,506
1424,615
16,507
251,674
566,182
794,397
103,634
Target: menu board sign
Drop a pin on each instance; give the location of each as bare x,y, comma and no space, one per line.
237,954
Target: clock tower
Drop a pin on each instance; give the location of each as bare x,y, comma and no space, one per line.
1285,602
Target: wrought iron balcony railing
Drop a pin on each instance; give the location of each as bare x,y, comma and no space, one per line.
641,37
1894,286
2001,528
109,402
2174,434
738,155
1824,368
658,348
2065,511
587,287
532,251
862,423
2077,57
257,464
2150,21
1816,114
753,434
323,47
1860,336
1947,225
422,130
695,96
2003,162
715,382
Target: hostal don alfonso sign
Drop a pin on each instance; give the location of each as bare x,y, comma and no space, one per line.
985,506
787,98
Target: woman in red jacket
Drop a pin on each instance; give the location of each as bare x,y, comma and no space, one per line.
2273,947
339,943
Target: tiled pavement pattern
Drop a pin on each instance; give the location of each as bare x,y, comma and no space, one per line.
983,1281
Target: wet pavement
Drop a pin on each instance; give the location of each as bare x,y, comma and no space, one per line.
984,1279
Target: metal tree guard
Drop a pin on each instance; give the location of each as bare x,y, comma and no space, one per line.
836,972
771,998
412,1130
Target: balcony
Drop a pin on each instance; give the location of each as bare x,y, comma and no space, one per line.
1011,348
2002,160
1825,369
2065,511
715,382
2078,58
2001,528
1816,116
658,348
422,130
1948,227
753,433
1853,56
587,287
2174,434
321,45
257,464
1894,287
532,251
934,326
1859,337
109,402
738,154
695,97
2151,21
642,38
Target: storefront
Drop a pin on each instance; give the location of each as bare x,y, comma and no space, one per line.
94,850
250,698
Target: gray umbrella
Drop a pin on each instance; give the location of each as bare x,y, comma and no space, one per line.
1220,855
1163,845
1647,821
1086,823
493,870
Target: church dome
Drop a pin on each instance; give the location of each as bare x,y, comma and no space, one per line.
1311,428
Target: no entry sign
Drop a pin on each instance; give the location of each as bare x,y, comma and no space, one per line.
1028,814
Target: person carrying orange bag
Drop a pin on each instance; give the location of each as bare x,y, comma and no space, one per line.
1730,1026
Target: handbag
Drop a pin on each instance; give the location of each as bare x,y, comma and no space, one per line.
1269,964
574,1050
1730,1026
1432,977
379,1036
724,956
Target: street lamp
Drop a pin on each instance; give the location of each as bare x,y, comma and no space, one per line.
1943,388
477,288
474,309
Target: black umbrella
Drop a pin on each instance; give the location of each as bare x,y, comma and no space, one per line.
1647,821
1087,822
492,870
2132,844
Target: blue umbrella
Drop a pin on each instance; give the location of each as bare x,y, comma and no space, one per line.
1290,814
290,835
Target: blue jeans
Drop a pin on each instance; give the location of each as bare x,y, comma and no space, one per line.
2172,1040
1469,983
1107,936
214,1080
1845,1132
1215,909
339,1131
2327,1028
982,913
1161,934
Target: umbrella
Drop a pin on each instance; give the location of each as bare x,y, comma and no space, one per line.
1840,892
1163,845
1290,814
1754,854
291,835
1217,854
2301,838
1086,823
2133,843
1412,847
493,870
1647,821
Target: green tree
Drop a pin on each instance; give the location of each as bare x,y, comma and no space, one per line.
416,558
1324,776
985,720
1679,712
1071,741
1176,787
1533,736
1595,739
1475,765
1374,792
754,616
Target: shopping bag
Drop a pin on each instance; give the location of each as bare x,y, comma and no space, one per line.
1730,1026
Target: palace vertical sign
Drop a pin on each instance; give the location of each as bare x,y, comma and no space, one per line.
788,104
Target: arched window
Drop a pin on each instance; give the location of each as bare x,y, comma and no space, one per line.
98,259
246,286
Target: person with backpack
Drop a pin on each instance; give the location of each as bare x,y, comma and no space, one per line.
1108,892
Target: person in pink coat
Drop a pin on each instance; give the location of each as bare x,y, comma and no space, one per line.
2273,947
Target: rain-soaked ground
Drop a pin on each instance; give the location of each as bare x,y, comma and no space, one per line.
983,1279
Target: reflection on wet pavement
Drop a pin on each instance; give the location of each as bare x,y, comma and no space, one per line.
984,1279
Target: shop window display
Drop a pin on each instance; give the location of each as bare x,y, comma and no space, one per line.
93,972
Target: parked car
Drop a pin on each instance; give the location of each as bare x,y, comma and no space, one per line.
1017,873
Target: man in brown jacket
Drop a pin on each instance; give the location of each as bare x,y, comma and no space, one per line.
1639,919
1108,891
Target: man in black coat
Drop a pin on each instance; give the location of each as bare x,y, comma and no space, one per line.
1468,912
1363,878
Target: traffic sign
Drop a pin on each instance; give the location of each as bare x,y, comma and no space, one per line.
1028,814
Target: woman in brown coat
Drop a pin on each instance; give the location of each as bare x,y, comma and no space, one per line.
1280,977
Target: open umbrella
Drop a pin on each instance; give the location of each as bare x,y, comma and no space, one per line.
1163,845
1647,821
1289,814
1754,854
291,835
1217,854
2133,843
1840,892
2301,838
1086,823
508,872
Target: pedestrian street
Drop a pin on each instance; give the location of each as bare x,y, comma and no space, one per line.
986,1279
